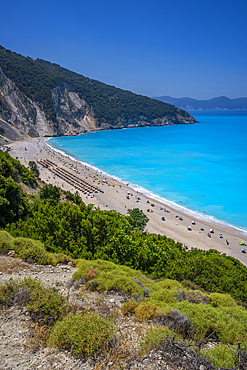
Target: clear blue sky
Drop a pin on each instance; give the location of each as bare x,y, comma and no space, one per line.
195,48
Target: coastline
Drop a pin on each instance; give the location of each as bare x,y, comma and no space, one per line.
114,197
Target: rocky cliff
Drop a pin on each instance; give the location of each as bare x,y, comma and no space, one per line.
43,99
74,116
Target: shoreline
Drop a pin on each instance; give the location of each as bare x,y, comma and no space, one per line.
156,197
114,197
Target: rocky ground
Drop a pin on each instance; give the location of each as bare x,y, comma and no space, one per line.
21,339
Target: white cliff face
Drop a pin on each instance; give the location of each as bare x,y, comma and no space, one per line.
73,114
16,108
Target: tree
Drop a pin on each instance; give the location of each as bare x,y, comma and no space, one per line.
137,219
50,192
13,202
34,168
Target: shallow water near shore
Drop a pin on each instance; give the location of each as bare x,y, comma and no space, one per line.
202,167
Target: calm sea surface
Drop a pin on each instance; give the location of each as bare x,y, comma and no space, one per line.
202,167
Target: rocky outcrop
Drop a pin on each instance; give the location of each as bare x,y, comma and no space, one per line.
144,122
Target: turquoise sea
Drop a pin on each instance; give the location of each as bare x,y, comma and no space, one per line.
202,167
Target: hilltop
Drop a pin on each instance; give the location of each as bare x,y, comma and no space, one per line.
44,99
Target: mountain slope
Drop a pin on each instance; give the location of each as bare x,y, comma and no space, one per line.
219,103
44,99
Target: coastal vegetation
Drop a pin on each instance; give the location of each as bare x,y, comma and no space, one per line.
191,295
38,78
82,231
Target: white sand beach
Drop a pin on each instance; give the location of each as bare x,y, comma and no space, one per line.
120,197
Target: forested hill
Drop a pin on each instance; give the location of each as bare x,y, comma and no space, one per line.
42,99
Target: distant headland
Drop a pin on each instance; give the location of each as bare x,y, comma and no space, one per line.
219,103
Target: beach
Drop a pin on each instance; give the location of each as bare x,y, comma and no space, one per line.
107,193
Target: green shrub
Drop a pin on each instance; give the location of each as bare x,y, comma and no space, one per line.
169,284
129,307
34,168
84,334
108,276
50,192
153,338
44,304
7,291
5,241
145,311
217,323
33,249
47,305
219,355
164,295
222,300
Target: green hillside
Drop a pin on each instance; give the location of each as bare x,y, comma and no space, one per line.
184,298
37,78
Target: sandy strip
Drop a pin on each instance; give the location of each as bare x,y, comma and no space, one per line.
115,198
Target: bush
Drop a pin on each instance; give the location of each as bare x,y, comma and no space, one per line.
169,284
7,293
222,300
34,168
192,296
83,334
219,355
179,323
45,305
5,241
129,307
190,285
137,219
106,275
145,311
220,324
153,338
114,280
50,192
33,249
163,296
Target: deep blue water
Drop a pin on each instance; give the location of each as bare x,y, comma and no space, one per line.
202,167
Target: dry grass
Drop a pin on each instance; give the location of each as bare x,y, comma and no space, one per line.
116,352
8,265
37,337
90,274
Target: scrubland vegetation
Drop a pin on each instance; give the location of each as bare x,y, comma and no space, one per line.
190,297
